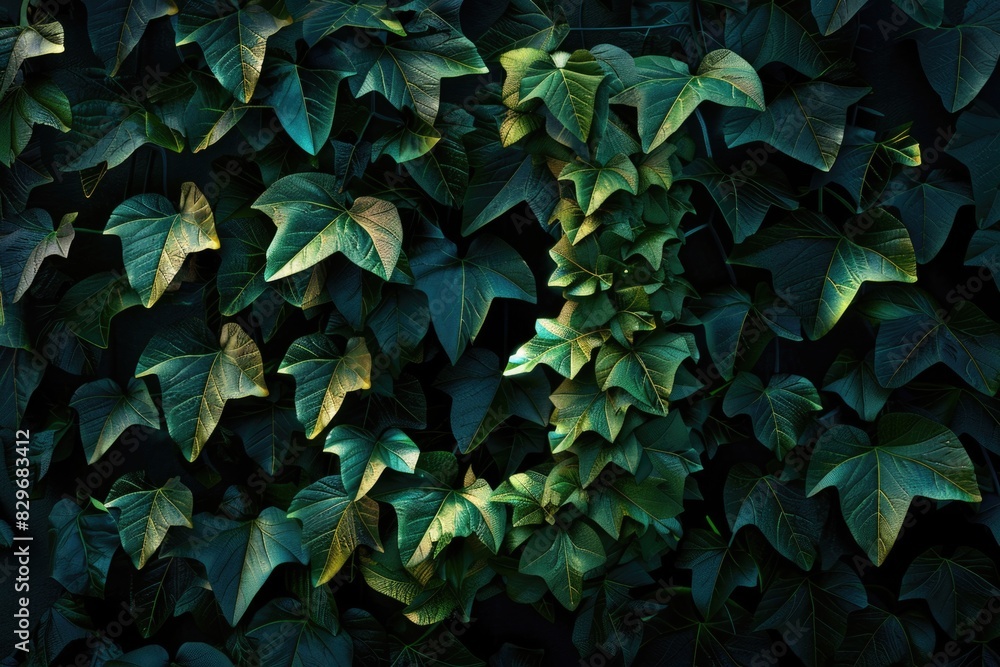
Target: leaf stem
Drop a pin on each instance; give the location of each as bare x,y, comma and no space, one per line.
704,132
24,12
711,524
84,230
694,231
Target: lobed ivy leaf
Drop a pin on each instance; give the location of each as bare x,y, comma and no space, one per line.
291,634
198,376
914,456
28,238
106,410
854,380
717,568
85,539
115,28
975,139
564,561
832,15
18,43
319,18
37,102
595,183
364,456
865,165
645,370
580,406
145,512
89,306
780,411
928,210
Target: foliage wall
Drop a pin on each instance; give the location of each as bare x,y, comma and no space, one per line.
540,332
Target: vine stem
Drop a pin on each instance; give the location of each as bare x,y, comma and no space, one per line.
704,132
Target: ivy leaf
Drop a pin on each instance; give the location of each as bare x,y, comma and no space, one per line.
334,523
461,289
975,139
267,434
645,370
482,398
146,512
558,345
314,222
106,411
666,93
928,12
865,164
239,556
363,456
717,568
293,634
653,502
88,307
566,83
928,210
564,560
581,405
210,113
408,72
743,199
200,654
819,601
524,492
780,411
830,263
197,377
324,376
524,24
240,278
112,131
582,269
85,539
38,101
115,28
805,121
914,456
157,238
22,372
28,238
304,97
769,33
915,333
832,15
18,43
854,380
155,590
595,183
790,521
875,636
319,18
956,588
960,59
502,179
233,39
434,514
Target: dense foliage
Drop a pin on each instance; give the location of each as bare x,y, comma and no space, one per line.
632,332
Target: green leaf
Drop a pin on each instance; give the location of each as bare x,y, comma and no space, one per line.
88,307
790,521
85,539
267,431
582,269
363,456
832,15
38,101
563,560
558,345
595,183
199,654
18,43
958,60
780,411
854,380
956,588
147,511
915,333
110,132
240,278
645,370
818,267
408,72
523,491
975,140
28,238
461,289
928,12
717,568
743,199
233,39
805,121
816,605
503,178
314,222
524,24
666,93
155,590
292,635
157,237
22,372
239,556
770,33
115,28
197,377
482,398
210,113
324,376
580,406
928,210
434,514
319,18
106,411
914,456
653,502
875,636
304,97
335,522
865,165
